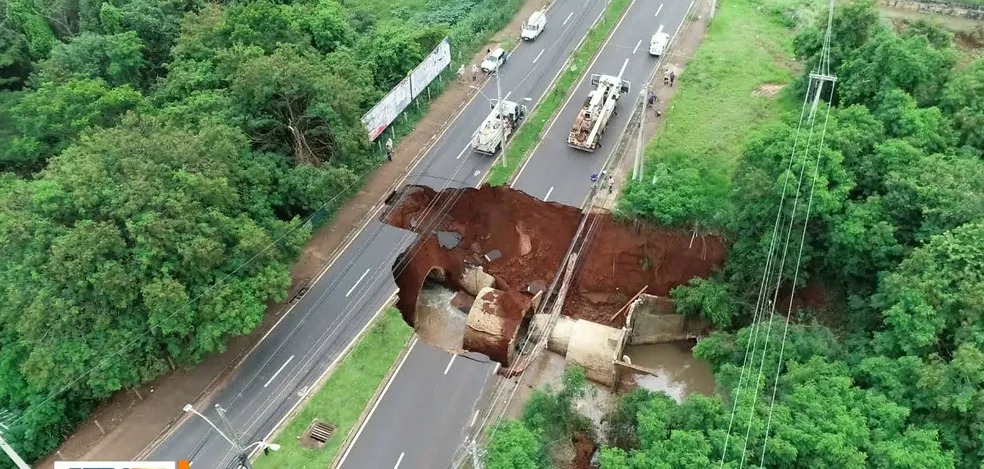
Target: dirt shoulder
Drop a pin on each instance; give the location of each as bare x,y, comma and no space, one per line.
133,419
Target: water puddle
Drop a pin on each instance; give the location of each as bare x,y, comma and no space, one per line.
678,373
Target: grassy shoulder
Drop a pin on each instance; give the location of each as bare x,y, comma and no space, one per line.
731,87
344,396
528,136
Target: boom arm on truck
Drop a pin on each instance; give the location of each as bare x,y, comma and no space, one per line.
488,139
598,108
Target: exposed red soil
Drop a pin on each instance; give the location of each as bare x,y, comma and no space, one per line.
583,449
533,236
624,257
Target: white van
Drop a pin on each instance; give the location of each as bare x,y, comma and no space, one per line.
658,44
534,26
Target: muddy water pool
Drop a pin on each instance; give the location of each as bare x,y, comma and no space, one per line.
678,373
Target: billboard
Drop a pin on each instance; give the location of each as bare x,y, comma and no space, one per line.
389,108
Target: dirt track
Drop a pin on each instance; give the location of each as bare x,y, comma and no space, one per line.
533,237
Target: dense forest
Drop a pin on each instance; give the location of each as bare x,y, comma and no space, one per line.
886,370
161,164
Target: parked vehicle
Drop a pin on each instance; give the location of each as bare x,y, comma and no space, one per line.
658,44
488,139
495,59
598,108
534,26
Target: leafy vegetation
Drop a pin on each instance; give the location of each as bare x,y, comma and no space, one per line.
161,163
344,396
549,417
888,371
528,136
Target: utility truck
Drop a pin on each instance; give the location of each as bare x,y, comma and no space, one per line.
534,26
490,137
598,108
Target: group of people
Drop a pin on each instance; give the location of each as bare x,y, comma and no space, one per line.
596,179
668,78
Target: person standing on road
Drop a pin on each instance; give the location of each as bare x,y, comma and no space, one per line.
611,183
474,72
389,149
672,77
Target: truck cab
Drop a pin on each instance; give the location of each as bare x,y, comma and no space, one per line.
657,45
534,26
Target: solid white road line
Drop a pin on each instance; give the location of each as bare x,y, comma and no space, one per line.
278,371
659,9
569,15
637,46
624,64
380,399
357,282
448,368
398,461
548,194
660,28
538,55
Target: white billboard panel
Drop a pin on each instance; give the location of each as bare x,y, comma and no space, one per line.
389,108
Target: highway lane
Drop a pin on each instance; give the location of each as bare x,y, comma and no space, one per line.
286,362
563,172
527,74
423,412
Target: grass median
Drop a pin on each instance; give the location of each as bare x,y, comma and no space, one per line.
344,396
528,136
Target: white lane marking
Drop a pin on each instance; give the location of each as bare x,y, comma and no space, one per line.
660,28
507,96
548,194
569,15
448,368
474,418
398,461
626,64
278,371
637,46
538,55
659,9
357,282
463,150
380,399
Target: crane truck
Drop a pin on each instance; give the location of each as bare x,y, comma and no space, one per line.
598,108
489,138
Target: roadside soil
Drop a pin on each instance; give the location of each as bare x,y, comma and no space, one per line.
583,449
131,421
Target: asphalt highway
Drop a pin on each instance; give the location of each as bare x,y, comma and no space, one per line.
285,364
554,172
559,173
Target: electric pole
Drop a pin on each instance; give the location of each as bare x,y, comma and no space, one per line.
13,454
502,118
638,163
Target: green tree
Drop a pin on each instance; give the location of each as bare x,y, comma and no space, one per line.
963,100
513,446
710,299
117,59
52,117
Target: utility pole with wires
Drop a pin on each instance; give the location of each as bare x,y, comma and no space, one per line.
637,165
822,82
